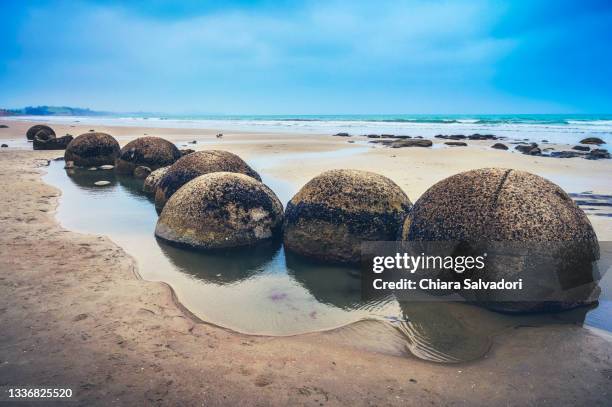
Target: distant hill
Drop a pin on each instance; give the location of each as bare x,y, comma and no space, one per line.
50,111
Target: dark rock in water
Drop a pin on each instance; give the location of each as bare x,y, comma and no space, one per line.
529,228
59,143
592,140
342,135
387,135
194,165
456,143
221,210
334,212
565,154
219,135
544,141
477,136
152,152
499,146
418,136
3,126
32,131
411,143
4,145
92,149
597,154
151,182
193,142
141,172
451,137
373,136
581,148
402,137
186,151
529,149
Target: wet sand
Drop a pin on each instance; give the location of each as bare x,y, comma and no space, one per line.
74,312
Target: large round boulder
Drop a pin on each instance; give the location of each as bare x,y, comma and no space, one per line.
151,182
47,132
194,165
92,150
221,210
334,212
152,152
529,228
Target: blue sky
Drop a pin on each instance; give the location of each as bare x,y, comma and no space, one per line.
309,57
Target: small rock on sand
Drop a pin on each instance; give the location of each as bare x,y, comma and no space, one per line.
342,135
581,148
411,143
4,145
101,183
499,146
456,143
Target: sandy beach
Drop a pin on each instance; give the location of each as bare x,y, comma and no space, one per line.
74,310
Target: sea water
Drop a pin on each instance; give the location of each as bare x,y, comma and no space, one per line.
563,129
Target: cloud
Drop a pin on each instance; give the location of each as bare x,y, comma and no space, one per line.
225,58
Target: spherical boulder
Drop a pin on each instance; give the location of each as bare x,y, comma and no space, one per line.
32,131
152,152
151,182
221,210
194,165
92,149
529,228
334,212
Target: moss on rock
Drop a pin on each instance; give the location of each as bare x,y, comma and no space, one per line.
334,212
194,165
221,210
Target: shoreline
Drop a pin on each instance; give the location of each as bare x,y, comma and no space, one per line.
256,370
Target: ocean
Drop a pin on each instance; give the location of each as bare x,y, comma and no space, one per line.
554,128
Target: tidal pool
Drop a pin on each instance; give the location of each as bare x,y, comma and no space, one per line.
264,290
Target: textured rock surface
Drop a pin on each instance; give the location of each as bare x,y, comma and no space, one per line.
92,149
59,143
152,152
151,182
194,165
592,140
334,212
141,172
31,133
221,210
555,241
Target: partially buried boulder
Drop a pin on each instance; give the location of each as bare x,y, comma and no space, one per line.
334,212
152,152
221,210
32,131
411,143
592,140
499,146
194,165
59,143
529,228
151,182
92,149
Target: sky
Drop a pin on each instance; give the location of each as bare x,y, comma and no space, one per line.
309,57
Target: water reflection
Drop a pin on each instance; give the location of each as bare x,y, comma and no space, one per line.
221,267
264,290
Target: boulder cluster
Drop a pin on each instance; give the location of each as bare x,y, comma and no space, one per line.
214,200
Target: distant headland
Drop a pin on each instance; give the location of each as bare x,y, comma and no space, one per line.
51,111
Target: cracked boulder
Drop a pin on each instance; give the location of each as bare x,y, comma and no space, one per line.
529,228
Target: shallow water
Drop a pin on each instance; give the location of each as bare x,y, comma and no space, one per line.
264,290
